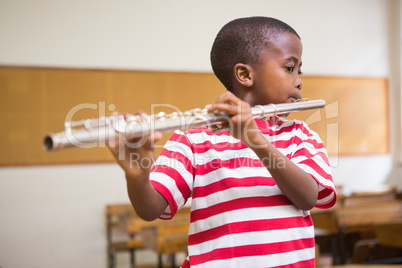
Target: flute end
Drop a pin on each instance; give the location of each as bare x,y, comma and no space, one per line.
48,143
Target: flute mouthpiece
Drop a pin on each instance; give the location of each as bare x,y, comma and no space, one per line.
301,100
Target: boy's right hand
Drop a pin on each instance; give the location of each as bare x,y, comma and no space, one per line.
135,156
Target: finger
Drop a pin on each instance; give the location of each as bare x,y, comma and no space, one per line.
142,113
228,97
156,136
113,146
131,117
153,137
229,109
128,116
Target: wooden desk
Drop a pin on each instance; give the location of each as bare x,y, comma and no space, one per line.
369,214
360,217
364,217
368,266
377,194
389,234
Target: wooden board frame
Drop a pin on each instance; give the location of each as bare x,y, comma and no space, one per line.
36,101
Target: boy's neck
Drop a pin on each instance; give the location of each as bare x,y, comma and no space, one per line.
241,94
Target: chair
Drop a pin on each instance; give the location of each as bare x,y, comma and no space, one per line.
116,216
165,237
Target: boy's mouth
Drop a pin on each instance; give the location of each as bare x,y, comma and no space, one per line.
293,99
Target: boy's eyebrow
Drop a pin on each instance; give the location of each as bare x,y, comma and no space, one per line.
294,59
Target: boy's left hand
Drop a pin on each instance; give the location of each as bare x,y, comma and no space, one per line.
241,123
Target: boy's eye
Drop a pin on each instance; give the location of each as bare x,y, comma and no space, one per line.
290,69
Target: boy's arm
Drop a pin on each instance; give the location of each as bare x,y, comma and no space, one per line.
135,158
298,186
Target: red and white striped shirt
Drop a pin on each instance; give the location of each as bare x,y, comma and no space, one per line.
239,216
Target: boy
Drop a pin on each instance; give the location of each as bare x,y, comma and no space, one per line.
252,188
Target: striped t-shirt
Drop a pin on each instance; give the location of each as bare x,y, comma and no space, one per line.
239,217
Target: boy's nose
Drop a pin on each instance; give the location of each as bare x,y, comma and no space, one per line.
299,83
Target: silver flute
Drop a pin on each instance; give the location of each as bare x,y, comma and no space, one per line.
90,132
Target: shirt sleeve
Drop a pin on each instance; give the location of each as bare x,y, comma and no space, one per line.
172,174
311,155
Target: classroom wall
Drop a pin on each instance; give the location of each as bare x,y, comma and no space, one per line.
52,216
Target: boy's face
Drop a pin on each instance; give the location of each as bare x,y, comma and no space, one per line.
277,76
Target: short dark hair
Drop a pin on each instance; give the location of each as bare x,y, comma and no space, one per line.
241,41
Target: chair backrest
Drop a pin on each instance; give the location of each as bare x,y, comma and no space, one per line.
117,214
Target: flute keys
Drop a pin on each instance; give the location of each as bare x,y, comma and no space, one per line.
196,111
160,115
172,115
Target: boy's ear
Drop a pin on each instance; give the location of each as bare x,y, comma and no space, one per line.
243,74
